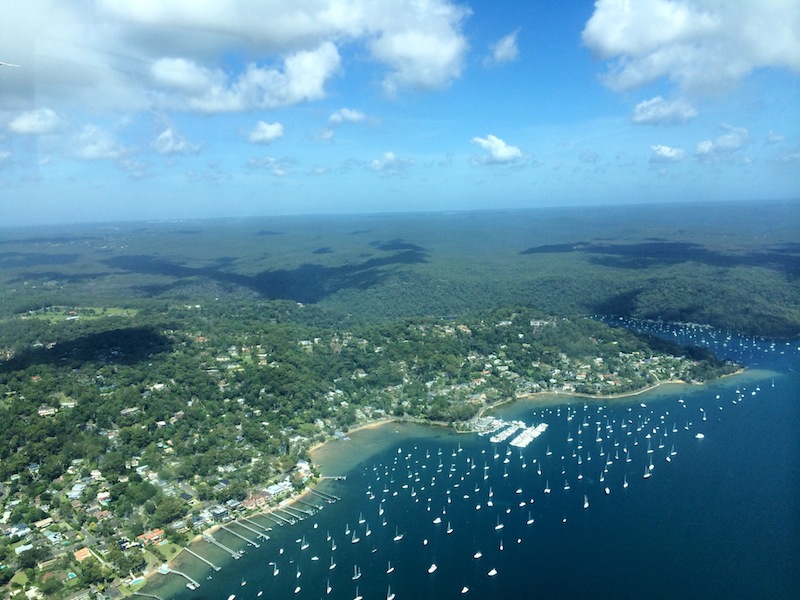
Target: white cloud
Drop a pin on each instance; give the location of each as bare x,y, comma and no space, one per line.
658,111
36,122
499,151
185,75
722,147
698,44
170,141
265,133
504,50
138,55
301,78
278,167
93,143
774,138
421,41
391,164
346,115
666,154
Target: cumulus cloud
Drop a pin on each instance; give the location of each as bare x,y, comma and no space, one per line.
170,141
36,122
301,78
504,50
94,143
722,147
391,164
499,151
346,115
131,55
277,167
666,154
658,111
698,44
265,133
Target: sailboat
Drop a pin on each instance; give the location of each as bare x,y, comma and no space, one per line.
275,570
355,539
389,594
333,564
389,568
585,501
358,596
328,587
356,572
449,528
624,481
303,544
397,535
530,519
432,568
499,524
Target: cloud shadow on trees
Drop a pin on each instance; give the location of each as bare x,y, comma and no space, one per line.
308,283
125,346
785,258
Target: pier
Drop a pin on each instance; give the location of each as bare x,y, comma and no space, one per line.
256,524
314,507
212,540
240,536
293,518
269,515
259,534
329,498
147,595
302,511
192,585
281,519
205,560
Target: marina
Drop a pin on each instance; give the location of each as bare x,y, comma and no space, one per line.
477,515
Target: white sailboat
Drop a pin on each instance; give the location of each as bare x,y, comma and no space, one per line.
389,568
397,535
356,573
585,501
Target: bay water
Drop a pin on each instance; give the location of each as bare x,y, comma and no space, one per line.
684,491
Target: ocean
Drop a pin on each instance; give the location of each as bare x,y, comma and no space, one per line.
682,492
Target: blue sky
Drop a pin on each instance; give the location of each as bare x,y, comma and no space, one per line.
160,109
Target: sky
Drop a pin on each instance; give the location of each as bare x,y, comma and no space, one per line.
184,109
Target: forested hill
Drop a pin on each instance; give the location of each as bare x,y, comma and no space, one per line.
735,267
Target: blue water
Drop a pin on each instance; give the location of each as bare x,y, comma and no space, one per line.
720,519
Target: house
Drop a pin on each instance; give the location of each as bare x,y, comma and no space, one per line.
151,537
82,554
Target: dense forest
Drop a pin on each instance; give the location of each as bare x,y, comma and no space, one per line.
150,372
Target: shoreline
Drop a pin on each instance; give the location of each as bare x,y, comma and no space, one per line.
377,423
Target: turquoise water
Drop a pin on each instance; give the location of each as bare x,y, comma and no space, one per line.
717,516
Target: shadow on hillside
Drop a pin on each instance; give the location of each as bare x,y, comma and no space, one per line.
784,258
308,283
16,260
125,346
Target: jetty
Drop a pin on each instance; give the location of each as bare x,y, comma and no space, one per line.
314,507
192,584
259,535
204,559
279,518
240,536
273,518
256,524
212,540
290,509
329,498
